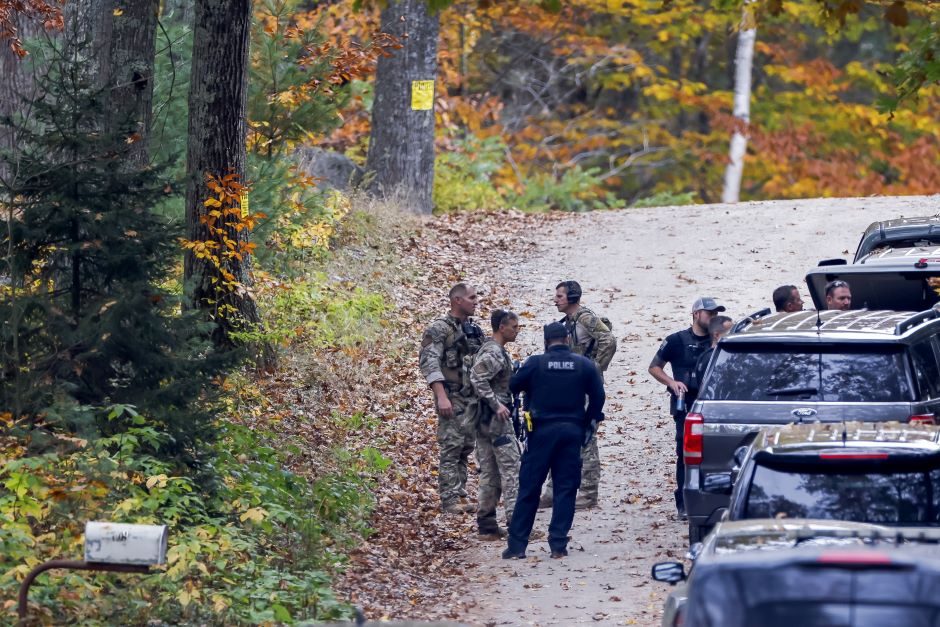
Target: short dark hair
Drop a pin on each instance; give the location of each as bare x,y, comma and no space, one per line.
831,286
458,290
572,290
499,316
717,324
782,296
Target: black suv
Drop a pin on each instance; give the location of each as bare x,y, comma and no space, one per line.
879,473
899,233
827,366
885,278
806,573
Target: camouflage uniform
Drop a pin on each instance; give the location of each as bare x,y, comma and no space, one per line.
497,453
589,336
443,348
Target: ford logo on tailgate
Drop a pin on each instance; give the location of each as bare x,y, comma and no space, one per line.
804,412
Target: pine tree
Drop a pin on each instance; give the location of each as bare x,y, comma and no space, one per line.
86,319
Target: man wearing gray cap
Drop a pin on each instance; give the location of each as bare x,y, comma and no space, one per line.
681,351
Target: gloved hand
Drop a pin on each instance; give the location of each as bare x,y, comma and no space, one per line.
589,432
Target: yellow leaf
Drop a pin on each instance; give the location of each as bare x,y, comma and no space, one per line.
156,480
255,514
184,597
117,12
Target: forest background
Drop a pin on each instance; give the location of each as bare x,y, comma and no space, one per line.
238,369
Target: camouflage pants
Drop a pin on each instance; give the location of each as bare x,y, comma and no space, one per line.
498,458
455,437
590,472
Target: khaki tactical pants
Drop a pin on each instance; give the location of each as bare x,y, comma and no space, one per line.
498,458
455,438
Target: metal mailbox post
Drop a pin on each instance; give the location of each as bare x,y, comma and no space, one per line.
114,547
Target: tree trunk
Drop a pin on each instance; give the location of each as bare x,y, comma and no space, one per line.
401,144
742,109
218,93
129,73
17,86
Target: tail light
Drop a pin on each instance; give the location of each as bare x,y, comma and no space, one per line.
923,419
692,439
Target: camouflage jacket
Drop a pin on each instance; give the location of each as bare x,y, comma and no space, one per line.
490,374
445,344
589,336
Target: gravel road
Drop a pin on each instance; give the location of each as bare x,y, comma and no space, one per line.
643,269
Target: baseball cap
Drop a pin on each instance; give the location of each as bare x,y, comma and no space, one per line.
555,331
707,303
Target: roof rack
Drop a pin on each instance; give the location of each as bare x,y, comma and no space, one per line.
757,315
915,320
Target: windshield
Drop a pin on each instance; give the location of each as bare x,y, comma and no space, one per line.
776,372
888,498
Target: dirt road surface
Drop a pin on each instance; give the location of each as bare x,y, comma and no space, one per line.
643,269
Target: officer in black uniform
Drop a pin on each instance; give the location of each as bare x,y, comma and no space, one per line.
556,384
681,350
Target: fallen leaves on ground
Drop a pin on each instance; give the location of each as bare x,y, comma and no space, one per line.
410,566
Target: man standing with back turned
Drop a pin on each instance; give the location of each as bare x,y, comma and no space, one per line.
589,336
443,347
682,350
557,384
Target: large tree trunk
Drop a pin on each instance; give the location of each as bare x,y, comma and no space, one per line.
218,93
129,73
401,144
742,109
17,85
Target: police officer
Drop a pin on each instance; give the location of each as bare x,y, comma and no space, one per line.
681,350
556,384
445,344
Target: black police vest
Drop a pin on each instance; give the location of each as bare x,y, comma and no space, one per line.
692,348
559,387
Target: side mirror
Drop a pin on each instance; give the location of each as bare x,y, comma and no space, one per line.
833,262
718,483
120,543
740,454
669,572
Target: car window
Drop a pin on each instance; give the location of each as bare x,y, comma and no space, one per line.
776,372
892,498
925,369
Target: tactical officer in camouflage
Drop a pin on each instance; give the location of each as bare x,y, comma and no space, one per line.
445,345
497,451
590,336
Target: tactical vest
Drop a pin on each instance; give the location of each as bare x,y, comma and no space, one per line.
461,343
500,384
692,349
572,327
558,388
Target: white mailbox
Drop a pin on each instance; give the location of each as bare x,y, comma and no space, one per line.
120,543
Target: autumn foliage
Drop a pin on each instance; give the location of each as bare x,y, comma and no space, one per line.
634,98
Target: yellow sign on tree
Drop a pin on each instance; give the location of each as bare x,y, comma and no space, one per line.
422,95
